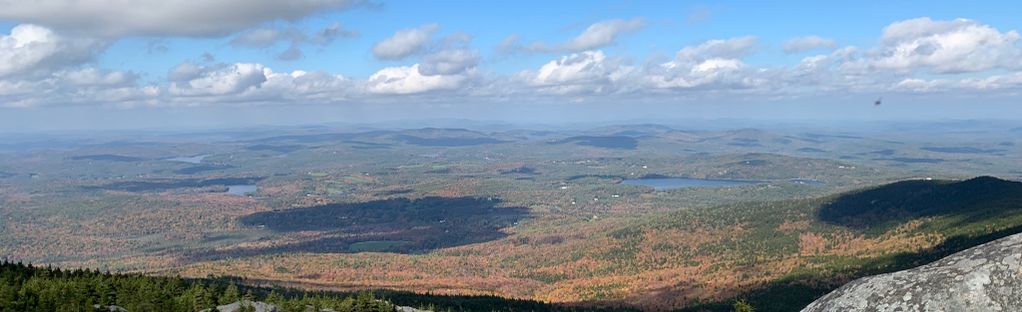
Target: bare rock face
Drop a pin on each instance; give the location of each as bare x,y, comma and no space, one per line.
984,278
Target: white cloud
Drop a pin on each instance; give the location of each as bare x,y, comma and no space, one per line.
449,62
575,68
942,47
589,72
262,37
318,86
409,79
992,83
713,73
802,44
30,48
113,18
728,49
714,64
602,34
192,80
510,44
597,35
267,37
87,85
96,77
405,42
41,67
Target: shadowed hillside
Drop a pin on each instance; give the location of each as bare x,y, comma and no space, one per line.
878,230
880,209
392,225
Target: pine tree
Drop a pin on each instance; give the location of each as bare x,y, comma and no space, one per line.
743,306
274,297
231,295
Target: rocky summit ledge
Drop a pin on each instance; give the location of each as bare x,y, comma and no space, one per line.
987,277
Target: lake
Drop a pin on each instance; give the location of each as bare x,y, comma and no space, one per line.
190,159
661,184
811,182
241,189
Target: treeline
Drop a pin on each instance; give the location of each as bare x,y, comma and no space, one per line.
24,288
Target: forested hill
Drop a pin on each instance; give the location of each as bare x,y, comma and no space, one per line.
27,288
810,247
24,288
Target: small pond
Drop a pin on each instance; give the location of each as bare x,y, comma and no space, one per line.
189,159
241,189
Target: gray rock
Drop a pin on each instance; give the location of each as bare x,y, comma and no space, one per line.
983,278
258,305
409,309
111,308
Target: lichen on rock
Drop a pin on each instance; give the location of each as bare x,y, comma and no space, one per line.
984,278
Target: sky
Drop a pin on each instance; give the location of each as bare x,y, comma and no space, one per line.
124,64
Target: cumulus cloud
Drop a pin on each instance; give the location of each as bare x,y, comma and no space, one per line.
97,77
73,86
405,42
409,79
113,18
267,37
449,62
589,71
943,47
714,62
190,80
246,83
1011,81
308,86
598,35
802,44
39,67
711,65
30,48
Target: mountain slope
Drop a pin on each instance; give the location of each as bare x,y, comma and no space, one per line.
25,288
782,255
983,278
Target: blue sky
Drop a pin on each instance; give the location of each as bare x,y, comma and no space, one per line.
147,56
672,25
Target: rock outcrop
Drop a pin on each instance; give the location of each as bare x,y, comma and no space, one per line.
984,278
257,306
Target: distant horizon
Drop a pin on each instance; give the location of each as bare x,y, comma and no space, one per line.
683,124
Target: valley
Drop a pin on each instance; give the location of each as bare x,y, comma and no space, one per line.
644,216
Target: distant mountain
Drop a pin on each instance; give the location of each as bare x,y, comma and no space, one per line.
609,142
638,130
445,137
436,137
